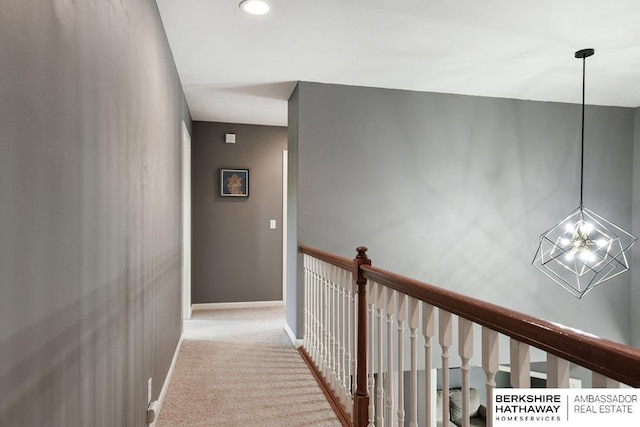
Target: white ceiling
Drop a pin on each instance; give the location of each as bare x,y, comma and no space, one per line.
240,68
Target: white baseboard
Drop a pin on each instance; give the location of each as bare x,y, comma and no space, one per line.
249,304
296,342
167,380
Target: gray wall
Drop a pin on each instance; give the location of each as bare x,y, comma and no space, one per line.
455,190
236,256
635,259
90,219
295,296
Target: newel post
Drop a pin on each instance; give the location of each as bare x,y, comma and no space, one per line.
361,397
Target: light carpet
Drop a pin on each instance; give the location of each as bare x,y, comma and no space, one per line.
237,367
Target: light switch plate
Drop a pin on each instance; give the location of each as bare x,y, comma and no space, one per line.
272,224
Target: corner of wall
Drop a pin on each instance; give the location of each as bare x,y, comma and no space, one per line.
293,297
635,230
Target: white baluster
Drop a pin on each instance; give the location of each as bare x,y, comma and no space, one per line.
305,267
401,313
339,332
354,337
319,296
380,304
318,313
312,314
600,381
313,326
322,305
445,337
309,290
327,321
325,316
389,307
428,330
337,327
348,341
414,320
520,365
557,372
465,350
323,319
307,306
315,314
372,289
333,319
490,360
345,336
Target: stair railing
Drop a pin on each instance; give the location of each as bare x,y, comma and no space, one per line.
356,318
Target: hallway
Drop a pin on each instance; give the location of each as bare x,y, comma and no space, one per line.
237,367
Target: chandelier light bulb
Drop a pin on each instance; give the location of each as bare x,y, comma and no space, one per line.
587,256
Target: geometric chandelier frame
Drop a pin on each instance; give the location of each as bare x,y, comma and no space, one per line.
583,250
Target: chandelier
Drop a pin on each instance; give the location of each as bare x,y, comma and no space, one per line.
584,249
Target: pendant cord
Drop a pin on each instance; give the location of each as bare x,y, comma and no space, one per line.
582,145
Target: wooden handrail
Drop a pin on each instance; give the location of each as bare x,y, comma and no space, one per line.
611,359
338,261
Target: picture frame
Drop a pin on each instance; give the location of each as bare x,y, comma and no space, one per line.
234,182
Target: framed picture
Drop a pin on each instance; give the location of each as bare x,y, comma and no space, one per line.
234,182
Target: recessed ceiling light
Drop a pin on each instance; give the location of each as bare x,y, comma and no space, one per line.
254,7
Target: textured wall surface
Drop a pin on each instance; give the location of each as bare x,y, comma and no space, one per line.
236,256
90,220
456,190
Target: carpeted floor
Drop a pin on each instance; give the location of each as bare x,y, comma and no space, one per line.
237,367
